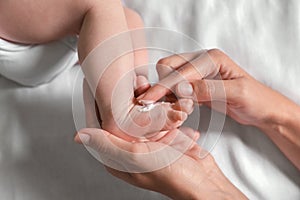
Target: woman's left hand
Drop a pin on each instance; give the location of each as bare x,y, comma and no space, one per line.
187,177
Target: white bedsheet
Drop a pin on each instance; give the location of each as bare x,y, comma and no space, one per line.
38,159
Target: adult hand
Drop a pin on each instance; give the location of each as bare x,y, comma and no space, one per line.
187,177
214,77
175,170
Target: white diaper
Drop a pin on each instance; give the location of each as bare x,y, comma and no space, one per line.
32,65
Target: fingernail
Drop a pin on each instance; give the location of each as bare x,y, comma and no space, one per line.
85,138
140,97
185,89
146,102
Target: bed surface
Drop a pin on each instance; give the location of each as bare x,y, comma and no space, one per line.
39,160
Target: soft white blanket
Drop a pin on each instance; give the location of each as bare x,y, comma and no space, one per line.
38,159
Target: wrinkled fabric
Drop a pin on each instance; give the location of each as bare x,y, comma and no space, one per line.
33,65
263,38
39,160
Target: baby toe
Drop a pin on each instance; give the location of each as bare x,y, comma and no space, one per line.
185,105
175,115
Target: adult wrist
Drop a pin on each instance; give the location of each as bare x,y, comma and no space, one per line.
217,186
277,120
272,122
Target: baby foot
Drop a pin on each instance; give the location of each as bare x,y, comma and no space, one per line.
135,120
146,120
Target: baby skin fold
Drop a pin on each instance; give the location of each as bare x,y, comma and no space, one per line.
94,21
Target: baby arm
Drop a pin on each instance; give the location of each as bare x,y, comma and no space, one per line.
95,21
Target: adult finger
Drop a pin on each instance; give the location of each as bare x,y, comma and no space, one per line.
167,65
142,85
126,156
199,68
110,150
181,140
194,135
209,90
184,141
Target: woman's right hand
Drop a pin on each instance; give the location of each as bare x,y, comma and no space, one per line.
212,78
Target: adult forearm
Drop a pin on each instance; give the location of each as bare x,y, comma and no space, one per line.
217,186
283,128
